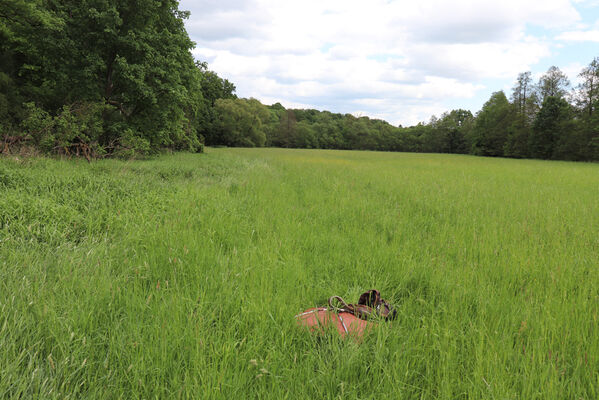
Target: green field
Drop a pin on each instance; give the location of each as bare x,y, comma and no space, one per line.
179,277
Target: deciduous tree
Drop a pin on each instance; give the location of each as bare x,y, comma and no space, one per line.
491,126
554,83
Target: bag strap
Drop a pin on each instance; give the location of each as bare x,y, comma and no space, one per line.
344,306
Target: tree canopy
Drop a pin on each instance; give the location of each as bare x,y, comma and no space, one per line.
125,64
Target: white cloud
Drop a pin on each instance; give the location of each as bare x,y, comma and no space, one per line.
580,36
476,61
397,59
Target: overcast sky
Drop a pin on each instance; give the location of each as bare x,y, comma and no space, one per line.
401,61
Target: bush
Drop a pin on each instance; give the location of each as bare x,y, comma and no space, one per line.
132,145
76,130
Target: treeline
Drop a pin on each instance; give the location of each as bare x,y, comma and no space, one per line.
548,119
116,77
102,77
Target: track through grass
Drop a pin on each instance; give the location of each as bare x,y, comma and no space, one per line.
179,277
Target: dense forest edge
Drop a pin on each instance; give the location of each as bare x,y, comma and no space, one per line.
113,78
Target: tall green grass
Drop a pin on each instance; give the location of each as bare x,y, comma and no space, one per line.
179,277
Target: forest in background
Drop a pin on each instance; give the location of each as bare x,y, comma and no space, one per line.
548,119
99,78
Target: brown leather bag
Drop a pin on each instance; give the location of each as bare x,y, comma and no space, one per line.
348,318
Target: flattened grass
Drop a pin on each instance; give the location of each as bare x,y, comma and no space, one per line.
179,277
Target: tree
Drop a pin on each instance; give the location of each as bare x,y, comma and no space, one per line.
306,137
286,132
518,138
25,26
524,101
130,57
554,83
241,122
214,87
553,130
455,126
491,127
211,88
357,133
586,98
522,91
588,89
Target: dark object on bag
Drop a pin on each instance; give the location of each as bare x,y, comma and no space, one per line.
348,318
369,305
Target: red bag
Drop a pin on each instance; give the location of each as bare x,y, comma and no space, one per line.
349,318
319,318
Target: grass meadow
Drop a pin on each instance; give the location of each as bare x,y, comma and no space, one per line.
179,277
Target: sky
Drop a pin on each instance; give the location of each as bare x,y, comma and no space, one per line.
398,60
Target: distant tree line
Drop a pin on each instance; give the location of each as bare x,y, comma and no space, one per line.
548,120
116,77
